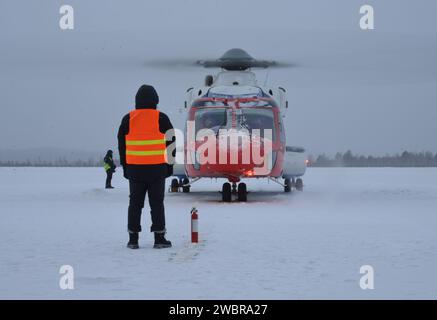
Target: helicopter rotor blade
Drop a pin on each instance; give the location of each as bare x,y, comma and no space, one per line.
171,63
233,59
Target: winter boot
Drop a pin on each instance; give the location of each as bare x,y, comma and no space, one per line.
160,241
109,187
133,240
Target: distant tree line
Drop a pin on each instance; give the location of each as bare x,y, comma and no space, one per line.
348,159
62,162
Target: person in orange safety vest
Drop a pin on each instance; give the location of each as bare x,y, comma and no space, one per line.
146,164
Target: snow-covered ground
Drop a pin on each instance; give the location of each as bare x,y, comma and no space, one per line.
276,246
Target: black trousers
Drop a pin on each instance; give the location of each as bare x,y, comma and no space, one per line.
138,190
108,178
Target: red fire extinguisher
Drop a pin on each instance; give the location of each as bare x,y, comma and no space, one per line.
194,226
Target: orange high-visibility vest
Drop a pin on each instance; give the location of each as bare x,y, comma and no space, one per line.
145,144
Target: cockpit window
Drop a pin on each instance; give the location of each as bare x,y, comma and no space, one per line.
209,103
254,118
213,119
242,103
258,103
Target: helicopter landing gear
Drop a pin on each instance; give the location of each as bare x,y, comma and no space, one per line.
174,187
185,185
234,188
239,190
242,192
288,185
226,192
299,184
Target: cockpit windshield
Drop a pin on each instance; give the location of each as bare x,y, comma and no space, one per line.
257,103
213,119
250,115
242,102
256,119
210,103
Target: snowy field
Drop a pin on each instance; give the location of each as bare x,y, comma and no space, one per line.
276,246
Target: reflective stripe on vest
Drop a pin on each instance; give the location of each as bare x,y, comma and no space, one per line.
145,144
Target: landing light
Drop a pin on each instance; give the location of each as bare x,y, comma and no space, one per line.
249,173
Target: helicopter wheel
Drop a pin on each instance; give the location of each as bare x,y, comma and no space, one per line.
234,188
242,192
174,187
287,185
299,184
226,192
185,189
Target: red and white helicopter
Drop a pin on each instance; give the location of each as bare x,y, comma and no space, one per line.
232,102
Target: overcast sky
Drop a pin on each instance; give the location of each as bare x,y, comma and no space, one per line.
368,91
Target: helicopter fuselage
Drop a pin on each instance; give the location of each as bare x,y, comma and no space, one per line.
235,130
233,97
232,135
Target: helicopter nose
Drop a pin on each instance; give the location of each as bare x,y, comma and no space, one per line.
241,148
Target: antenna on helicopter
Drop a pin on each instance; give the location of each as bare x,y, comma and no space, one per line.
209,80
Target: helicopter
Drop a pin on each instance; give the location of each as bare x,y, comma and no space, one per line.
232,106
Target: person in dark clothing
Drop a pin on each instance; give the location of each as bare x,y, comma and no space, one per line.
109,166
142,146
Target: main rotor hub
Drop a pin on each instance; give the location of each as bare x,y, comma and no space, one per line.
236,60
